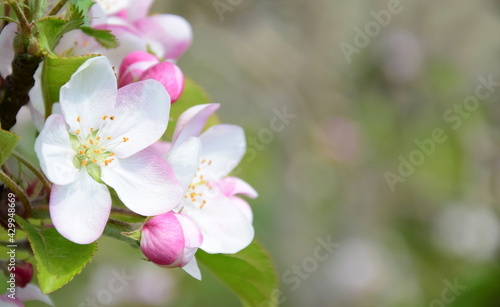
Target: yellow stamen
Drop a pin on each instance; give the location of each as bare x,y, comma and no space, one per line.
82,152
109,138
112,117
77,132
104,117
84,162
78,119
125,139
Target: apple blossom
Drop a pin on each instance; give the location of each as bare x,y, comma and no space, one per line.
166,35
171,240
201,164
99,139
140,65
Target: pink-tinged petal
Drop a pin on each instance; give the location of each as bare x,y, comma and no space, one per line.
133,65
129,40
7,49
184,160
192,269
192,121
54,151
161,148
80,210
170,240
235,186
167,35
140,117
225,227
224,146
113,6
6,301
89,94
162,240
32,293
138,9
192,237
170,75
144,182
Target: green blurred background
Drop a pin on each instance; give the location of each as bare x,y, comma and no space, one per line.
431,240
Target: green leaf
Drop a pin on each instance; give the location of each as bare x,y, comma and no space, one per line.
84,6
56,72
192,95
51,29
250,273
58,260
8,142
103,37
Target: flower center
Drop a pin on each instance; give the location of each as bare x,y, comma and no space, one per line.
94,148
199,189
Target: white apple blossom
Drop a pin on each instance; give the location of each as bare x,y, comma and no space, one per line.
100,140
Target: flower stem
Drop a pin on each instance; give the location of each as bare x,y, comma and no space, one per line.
123,211
57,7
46,184
18,192
23,21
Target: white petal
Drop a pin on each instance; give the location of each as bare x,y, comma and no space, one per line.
32,293
184,160
89,94
225,228
243,206
36,105
54,151
7,49
129,39
80,210
192,269
224,146
192,121
144,182
141,115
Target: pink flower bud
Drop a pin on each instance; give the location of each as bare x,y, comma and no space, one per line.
170,239
139,65
24,273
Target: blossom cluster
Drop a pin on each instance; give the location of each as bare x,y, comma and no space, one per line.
103,143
